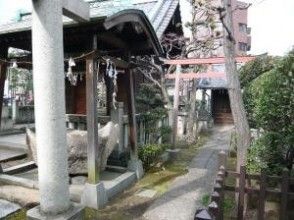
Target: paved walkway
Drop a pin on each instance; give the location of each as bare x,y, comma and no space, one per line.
185,194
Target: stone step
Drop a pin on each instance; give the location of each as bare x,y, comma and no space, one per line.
117,169
119,184
7,208
9,152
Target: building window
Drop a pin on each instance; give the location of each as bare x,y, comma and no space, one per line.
243,28
243,46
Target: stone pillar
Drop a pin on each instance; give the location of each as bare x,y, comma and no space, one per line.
142,132
121,126
49,91
14,111
159,125
126,136
71,125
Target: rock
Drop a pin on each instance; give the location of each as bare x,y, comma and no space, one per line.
108,137
78,180
7,208
20,195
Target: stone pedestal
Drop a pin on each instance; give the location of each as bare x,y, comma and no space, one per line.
94,196
137,167
75,212
173,153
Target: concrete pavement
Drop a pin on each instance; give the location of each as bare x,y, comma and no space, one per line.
186,192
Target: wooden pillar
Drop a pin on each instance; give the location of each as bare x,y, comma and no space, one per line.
132,115
92,121
262,195
241,197
3,68
284,194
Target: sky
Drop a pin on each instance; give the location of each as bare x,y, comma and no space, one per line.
271,22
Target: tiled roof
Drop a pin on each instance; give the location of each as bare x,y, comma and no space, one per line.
159,13
215,83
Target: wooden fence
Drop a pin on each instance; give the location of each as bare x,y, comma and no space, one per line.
215,209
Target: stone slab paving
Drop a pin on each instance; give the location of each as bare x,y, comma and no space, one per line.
12,146
7,153
7,208
185,193
147,193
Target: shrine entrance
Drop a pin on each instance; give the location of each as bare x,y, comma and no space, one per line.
221,110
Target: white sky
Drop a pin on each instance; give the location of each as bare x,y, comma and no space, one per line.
272,23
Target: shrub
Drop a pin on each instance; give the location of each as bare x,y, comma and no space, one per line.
149,103
269,101
255,68
267,153
149,154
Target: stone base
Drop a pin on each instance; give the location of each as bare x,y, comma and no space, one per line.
173,153
76,212
137,167
94,196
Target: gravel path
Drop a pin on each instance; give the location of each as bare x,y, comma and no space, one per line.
184,196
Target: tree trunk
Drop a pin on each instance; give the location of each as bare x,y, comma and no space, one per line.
191,134
236,101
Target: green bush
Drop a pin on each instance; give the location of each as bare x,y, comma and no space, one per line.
149,102
255,68
267,153
269,101
272,99
149,154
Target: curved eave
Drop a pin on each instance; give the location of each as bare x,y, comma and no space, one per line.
136,16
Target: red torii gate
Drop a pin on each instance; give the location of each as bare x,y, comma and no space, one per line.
205,61
209,74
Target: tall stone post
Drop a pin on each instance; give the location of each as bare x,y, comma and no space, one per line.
14,111
121,126
49,89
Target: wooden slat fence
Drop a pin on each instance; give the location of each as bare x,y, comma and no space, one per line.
216,210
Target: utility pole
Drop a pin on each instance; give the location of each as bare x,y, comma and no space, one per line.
235,94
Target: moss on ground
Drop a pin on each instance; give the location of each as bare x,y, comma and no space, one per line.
130,206
20,215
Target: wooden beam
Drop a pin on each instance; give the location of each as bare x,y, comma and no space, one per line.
212,75
113,40
212,60
132,115
118,62
92,121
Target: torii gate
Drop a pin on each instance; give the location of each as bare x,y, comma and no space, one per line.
49,89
